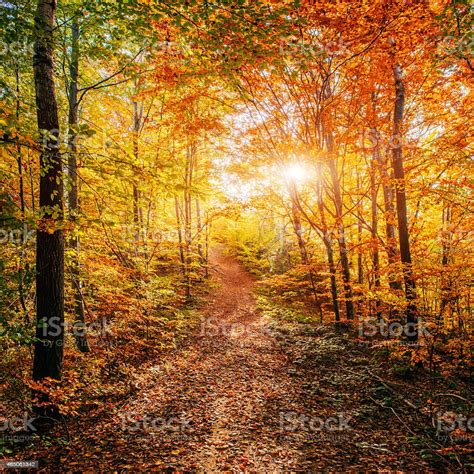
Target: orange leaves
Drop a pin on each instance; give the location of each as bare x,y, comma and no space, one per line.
62,395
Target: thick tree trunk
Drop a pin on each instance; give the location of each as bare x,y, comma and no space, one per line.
73,195
402,214
48,353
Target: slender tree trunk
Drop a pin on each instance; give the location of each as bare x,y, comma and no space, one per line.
180,234
446,245
298,228
360,268
346,275
48,354
188,220
330,254
198,213
73,195
389,214
21,290
375,231
206,252
390,228
402,214
199,231
137,210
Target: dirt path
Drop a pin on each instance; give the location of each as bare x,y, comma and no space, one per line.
215,406
244,395
229,388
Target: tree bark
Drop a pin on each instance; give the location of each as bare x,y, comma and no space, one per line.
402,214
21,290
298,228
375,231
360,267
389,214
48,354
73,195
137,210
346,275
330,254
188,219
180,234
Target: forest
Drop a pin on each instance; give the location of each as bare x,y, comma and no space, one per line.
236,236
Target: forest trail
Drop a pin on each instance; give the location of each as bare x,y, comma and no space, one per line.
245,394
214,406
227,389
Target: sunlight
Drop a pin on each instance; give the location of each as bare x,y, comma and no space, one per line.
296,172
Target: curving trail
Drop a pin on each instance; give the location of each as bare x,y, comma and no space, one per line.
240,397
230,385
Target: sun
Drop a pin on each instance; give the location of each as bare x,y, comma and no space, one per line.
296,172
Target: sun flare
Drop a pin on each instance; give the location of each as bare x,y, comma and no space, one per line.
296,172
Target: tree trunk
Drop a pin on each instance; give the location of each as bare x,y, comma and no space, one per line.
137,210
206,252
360,267
48,354
73,195
298,228
188,220
21,290
180,234
330,254
390,230
375,231
402,214
199,232
346,276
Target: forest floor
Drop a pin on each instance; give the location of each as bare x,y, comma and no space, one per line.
248,394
